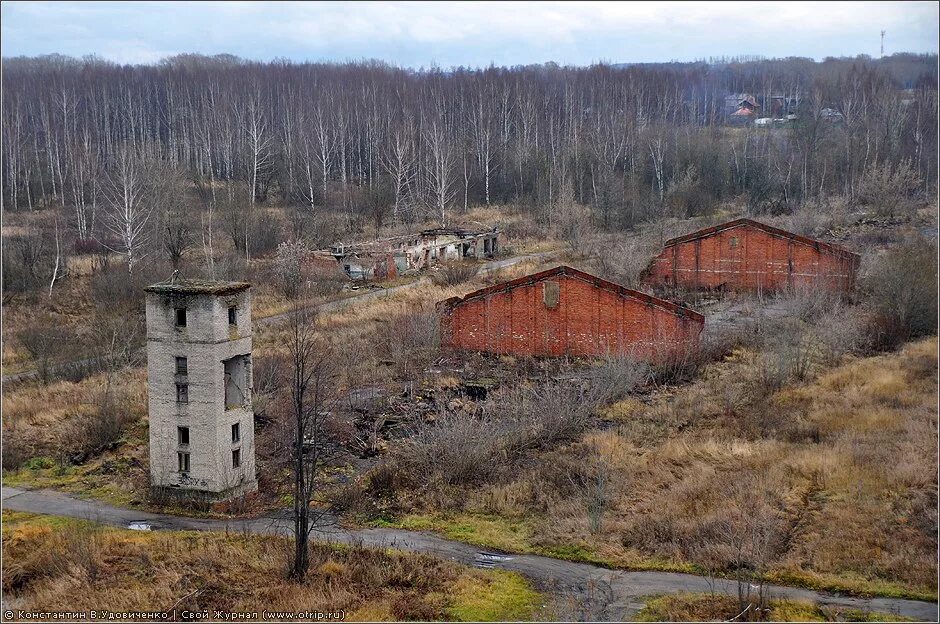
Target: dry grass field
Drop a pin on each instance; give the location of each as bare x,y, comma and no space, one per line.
53,563
838,474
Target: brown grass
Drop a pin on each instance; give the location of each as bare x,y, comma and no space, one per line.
44,419
845,465
57,564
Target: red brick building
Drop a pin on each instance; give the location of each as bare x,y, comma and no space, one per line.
747,255
564,311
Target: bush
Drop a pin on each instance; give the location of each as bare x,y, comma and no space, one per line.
840,332
618,376
288,267
28,262
457,448
786,356
888,188
902,291
113,288
453,273
264,234
89,246
808,303
15,451
45,340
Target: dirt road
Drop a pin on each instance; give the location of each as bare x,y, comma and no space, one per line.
600,593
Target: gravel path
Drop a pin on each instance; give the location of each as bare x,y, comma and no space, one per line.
598,593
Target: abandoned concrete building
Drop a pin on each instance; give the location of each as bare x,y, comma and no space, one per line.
564,311
751,256
387,258
199,383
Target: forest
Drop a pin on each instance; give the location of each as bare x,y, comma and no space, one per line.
129,156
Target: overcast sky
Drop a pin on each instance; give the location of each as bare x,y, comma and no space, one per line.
419,34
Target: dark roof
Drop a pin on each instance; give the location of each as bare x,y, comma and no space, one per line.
835,249
586,277
197,287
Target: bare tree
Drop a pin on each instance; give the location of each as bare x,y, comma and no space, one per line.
440,165
312,379
128,208
399,159
259,155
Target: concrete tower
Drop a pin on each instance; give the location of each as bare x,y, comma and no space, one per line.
199,380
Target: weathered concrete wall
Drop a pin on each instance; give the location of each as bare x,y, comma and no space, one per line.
207,340
591,317
747,257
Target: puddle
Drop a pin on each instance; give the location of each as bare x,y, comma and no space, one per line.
489,560
493,557
139,526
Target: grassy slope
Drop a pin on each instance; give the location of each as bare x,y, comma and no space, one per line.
849,459
58,563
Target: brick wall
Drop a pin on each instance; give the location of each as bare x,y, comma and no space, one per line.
591,317
749,257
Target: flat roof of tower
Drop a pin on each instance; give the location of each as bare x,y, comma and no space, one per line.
197,287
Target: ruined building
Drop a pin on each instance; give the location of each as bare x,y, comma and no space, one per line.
387,258
199,385
564,311
750,256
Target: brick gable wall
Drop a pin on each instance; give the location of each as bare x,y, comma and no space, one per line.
748,258
588,320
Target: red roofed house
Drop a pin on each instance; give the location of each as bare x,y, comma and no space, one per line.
748,255
564,311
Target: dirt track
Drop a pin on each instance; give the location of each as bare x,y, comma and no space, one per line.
596,593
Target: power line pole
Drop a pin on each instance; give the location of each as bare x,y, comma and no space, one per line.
882,44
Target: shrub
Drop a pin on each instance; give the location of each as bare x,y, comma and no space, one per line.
786,356
88,246
456,448
618,376
888,188
44,339
902,291
453,449
15,451
113,288
453,273
288,267
411,341
231,266
808,303
841,332
28,262
264,234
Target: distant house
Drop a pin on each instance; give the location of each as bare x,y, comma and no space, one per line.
747,109
734,102
743,107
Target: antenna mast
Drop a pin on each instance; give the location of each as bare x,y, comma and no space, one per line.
882,44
